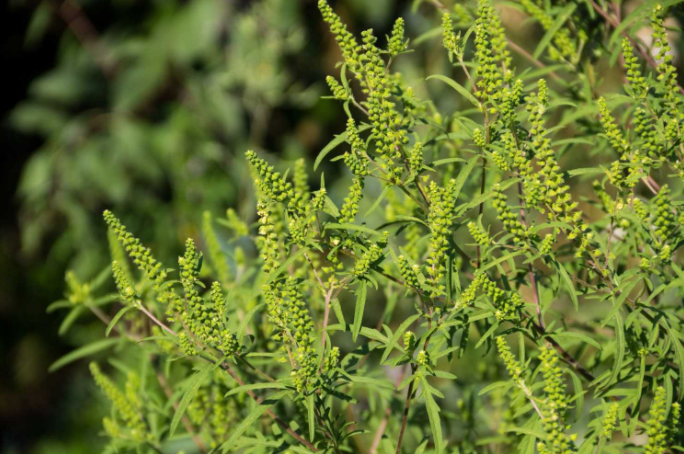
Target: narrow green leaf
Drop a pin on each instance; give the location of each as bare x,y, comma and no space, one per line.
679,356
579,394
619,349
586,171
576,336
333,144
82,352
69,320
492,386
371,381
358,228
358,310
251,418
433,416
463,175
565,278
253,386
311,416
441,162
338,311
242,329
397,335
527,431
61,304
116,319
193,385
487,335
285,266
458,87
548,36
501,259
377,202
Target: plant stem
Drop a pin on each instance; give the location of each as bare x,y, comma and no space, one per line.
406,412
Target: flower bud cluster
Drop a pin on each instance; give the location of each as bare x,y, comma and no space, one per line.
288,311
408,273
140,255
79,293
423,358
615,136
633,70
450,39
332,360
397,44
490,52
416,157
564,48
202,319
268,238
555,406
356,159
338,91
271,183
410,342
440,222
657,430
667,71
372,255
508,218
479,235
348,44
127,409
609,421
512,365
126,290
664,221
351,202
236,224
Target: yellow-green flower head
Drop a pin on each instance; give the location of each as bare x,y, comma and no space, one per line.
410,342
408,273
423,358
123,406
268,181
479,235
140,255
440,221
508,218
351,202
657,430
126,289
610,420
348,44
665,214
667,73
397,43
633,70
338,91
512,366
371,256
449,38
416,157
555,405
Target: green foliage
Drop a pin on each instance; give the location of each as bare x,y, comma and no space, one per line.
499,240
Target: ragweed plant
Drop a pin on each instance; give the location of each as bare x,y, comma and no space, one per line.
381,319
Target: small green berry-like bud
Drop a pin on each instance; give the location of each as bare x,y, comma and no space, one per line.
410,342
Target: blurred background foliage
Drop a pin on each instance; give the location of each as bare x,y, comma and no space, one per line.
146,107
